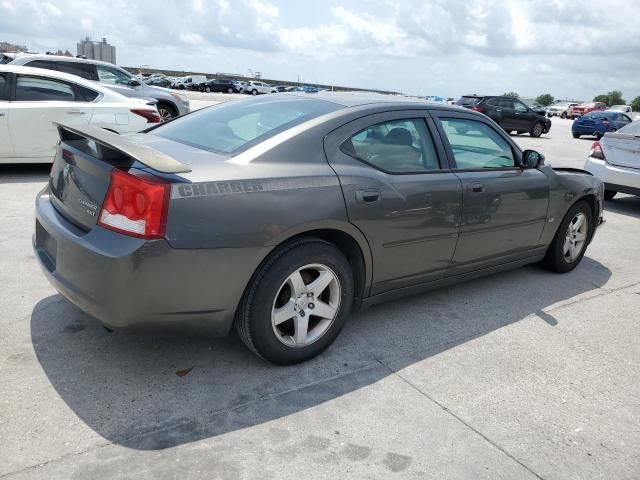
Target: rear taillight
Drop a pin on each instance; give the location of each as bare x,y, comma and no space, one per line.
476,109
135,205
151,115
596,151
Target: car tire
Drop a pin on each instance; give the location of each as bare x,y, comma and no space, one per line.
537,130
274,293
609,194
576,135
254,92
166,111
564,253
229,90
207,89
563,115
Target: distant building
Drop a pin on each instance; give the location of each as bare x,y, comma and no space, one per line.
97,50
10,47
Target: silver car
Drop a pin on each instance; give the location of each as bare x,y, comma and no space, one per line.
170,104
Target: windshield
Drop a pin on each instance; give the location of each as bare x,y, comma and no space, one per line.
632,128
235,126
5,59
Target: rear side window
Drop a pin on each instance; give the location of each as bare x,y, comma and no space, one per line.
86,94
397,146
34,89
476,145
39,64
235,126
4,87
83,70
468,100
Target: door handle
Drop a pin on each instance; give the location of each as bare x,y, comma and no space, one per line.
77,112
477,187
368,196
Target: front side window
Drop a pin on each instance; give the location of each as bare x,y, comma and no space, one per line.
235,126
112,76
476,145
396,146
519,106
35,89
39,64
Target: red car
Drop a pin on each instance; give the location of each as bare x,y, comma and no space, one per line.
584,108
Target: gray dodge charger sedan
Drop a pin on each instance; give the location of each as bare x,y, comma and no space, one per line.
279,214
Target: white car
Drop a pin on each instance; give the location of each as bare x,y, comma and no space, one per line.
255,88
615,159
32,99
560,109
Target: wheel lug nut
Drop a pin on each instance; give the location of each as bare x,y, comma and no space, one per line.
311,306
302,313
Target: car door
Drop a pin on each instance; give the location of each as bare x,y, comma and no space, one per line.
509,117
399,194
524,116
505,206
36,103
6,146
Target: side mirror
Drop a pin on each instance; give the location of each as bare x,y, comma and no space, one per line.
134,83
532,159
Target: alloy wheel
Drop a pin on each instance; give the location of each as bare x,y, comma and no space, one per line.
165,114
537,130
575,237
306,305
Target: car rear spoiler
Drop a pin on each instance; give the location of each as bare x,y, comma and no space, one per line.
111,146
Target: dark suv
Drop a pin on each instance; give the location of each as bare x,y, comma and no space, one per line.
508,112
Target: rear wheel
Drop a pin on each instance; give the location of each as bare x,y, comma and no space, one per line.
537,130
609,194
229,90
576,135
563,115
207,89
570,243
254,92
297,303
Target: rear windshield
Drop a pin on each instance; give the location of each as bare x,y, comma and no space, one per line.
235,126
468,100
632,128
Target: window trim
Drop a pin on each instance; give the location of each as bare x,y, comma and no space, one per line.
78,98
5,91
439,115
391,172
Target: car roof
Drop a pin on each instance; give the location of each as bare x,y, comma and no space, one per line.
355,99
43,72
60,58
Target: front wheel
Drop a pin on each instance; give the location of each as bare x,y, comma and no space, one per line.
229,90
563,115
207,89
576,135
297,303
570,243
166,111
254,92
537,130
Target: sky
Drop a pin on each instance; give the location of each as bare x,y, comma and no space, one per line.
420,47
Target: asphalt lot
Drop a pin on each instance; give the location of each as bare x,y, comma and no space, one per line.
521,375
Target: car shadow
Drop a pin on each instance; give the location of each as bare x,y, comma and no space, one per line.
624,204
25,173
153,391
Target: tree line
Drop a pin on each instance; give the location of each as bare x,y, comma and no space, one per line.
614,97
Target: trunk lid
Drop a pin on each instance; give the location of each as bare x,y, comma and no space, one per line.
81,170
622,150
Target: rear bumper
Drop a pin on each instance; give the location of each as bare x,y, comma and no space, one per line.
130,283
587,130
618,179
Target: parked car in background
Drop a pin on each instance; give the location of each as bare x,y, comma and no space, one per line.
255,88
158,82
615,159
599,122
224,86
190,82
240,85
405,203
33,99
170,104
562,110
621,108
585,108
508,112
279,89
